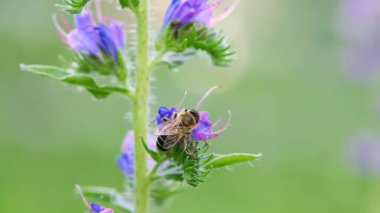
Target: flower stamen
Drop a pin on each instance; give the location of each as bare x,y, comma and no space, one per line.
225,14
205,96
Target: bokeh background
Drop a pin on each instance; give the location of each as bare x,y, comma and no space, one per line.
291,96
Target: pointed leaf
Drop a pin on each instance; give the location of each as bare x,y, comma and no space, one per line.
230,159
68,76
155,155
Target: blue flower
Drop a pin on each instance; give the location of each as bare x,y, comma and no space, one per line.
126,161
93,207
164,112
97,207
196,11
88,37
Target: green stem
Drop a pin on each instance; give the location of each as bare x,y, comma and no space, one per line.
140,109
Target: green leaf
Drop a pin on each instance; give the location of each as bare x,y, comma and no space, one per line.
155,155
129,3
174,59
76,79
73,6
230,159
121,72
110,195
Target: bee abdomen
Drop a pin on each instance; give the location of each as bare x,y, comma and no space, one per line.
160,142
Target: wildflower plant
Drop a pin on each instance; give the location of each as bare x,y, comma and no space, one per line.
102,63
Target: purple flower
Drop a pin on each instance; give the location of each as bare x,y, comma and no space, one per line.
126,161
204,130
365,153
91,38
196,11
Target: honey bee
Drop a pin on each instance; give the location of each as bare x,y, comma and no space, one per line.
176,131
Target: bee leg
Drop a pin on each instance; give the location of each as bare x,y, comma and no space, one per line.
189,148
165,119
206,143
190,151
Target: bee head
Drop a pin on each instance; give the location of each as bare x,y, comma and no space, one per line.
194,113
190,117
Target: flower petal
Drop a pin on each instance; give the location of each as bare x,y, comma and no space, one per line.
117,32
164,112
107,211
85,41
84,20
204,129
107,43
169,16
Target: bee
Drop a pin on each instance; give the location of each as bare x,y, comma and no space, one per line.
176,131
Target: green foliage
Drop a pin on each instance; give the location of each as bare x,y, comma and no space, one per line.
77,79
110,196
230,159
180,39
132,4
73,6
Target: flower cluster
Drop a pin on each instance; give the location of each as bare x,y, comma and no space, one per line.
96,39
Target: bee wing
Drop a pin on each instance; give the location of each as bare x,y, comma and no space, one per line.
169,127
171,141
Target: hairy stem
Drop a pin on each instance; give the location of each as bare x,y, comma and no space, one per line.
140,109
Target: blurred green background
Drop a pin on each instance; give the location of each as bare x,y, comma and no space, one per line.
290,99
